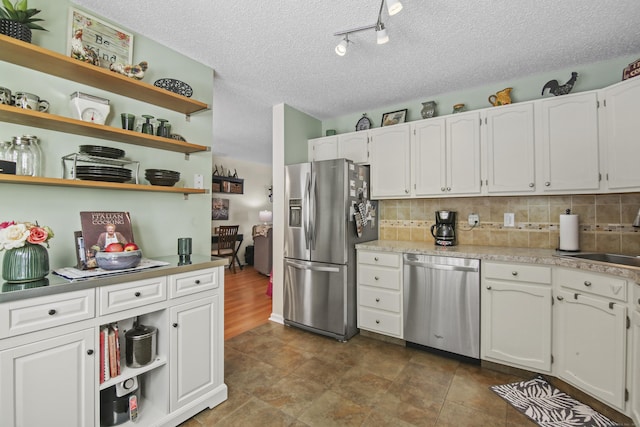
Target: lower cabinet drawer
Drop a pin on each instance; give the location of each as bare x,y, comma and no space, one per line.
121,297
192,282
380,299
380,321
385,259
34,314
379,277
517,272
597,284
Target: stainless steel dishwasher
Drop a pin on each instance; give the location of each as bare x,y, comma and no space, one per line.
442,303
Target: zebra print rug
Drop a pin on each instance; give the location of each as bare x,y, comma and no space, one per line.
549,407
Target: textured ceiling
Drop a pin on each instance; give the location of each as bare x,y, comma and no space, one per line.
266,53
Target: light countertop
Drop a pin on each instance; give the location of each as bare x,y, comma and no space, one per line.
502,254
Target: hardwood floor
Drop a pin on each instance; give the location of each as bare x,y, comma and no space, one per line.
246,304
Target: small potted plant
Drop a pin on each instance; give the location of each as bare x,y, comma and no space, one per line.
17,20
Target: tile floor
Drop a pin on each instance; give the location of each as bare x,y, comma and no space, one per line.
282,376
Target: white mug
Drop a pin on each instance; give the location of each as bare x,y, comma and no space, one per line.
30,101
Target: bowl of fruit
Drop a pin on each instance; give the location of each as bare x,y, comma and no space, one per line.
117,256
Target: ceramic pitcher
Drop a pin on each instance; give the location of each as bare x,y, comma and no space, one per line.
501,98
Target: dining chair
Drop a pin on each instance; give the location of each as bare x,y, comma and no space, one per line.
227,235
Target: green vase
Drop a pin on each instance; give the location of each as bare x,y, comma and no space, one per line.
25,264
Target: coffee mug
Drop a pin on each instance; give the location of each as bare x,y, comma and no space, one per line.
30,101
5,96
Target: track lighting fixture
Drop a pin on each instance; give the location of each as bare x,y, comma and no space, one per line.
393,7
341,49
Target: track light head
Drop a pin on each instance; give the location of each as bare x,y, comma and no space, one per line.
341,49
393,7
381,33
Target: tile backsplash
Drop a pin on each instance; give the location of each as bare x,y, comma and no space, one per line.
605,220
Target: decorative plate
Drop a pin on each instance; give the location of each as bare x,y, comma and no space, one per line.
175,86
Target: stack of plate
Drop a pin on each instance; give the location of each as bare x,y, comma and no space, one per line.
103,173
162,177
97,150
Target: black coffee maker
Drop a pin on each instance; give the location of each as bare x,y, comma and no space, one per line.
444,230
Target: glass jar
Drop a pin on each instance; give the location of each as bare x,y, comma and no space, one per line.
459,108
22,154
37,154
5,146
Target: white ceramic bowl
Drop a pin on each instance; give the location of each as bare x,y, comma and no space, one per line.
118,260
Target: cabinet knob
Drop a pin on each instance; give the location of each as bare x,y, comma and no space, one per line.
547,184
442,188
376,278
375,259
52,312
377,299
175,325
587,283
514,273
531,184
448,188
197,282
560,298
137,294
89,352
406,191
489,288
377,321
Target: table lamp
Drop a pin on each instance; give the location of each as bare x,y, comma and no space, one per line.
265,217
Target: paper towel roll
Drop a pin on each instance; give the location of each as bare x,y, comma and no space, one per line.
569,232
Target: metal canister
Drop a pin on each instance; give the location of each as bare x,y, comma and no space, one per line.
141,345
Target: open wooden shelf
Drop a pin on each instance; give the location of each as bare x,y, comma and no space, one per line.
37,58
11,114
60,182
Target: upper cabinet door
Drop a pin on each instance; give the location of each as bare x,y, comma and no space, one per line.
621,130
463,154
323,148
389,157
429,157
569,143
354,146
509,134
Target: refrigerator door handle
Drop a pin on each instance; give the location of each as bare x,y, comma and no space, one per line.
305,210
312,267
312,211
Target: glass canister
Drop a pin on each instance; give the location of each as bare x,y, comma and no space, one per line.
37,154
459,108
22,154
5,146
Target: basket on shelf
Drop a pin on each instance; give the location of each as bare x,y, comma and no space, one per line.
15,30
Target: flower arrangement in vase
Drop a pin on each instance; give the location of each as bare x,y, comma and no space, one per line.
26,258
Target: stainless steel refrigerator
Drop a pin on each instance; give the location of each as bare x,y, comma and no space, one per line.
329,211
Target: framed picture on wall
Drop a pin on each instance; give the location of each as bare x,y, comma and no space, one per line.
109,43
219,209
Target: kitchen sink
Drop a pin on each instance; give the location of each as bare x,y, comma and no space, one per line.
628,260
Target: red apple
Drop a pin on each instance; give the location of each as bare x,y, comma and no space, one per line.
131,247
114,247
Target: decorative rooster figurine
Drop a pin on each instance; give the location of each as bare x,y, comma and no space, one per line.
78,51
556,89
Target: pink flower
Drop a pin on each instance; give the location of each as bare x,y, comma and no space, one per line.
37,235
6,224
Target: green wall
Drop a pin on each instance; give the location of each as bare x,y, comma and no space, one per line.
158,218
298,128
590,77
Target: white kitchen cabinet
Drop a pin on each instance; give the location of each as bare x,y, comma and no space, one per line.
354,146
325,148
195,335
620,130
446,155
568,141
49,356
516,315
590,335
634,378
509,135
49,382
389,157
380,292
